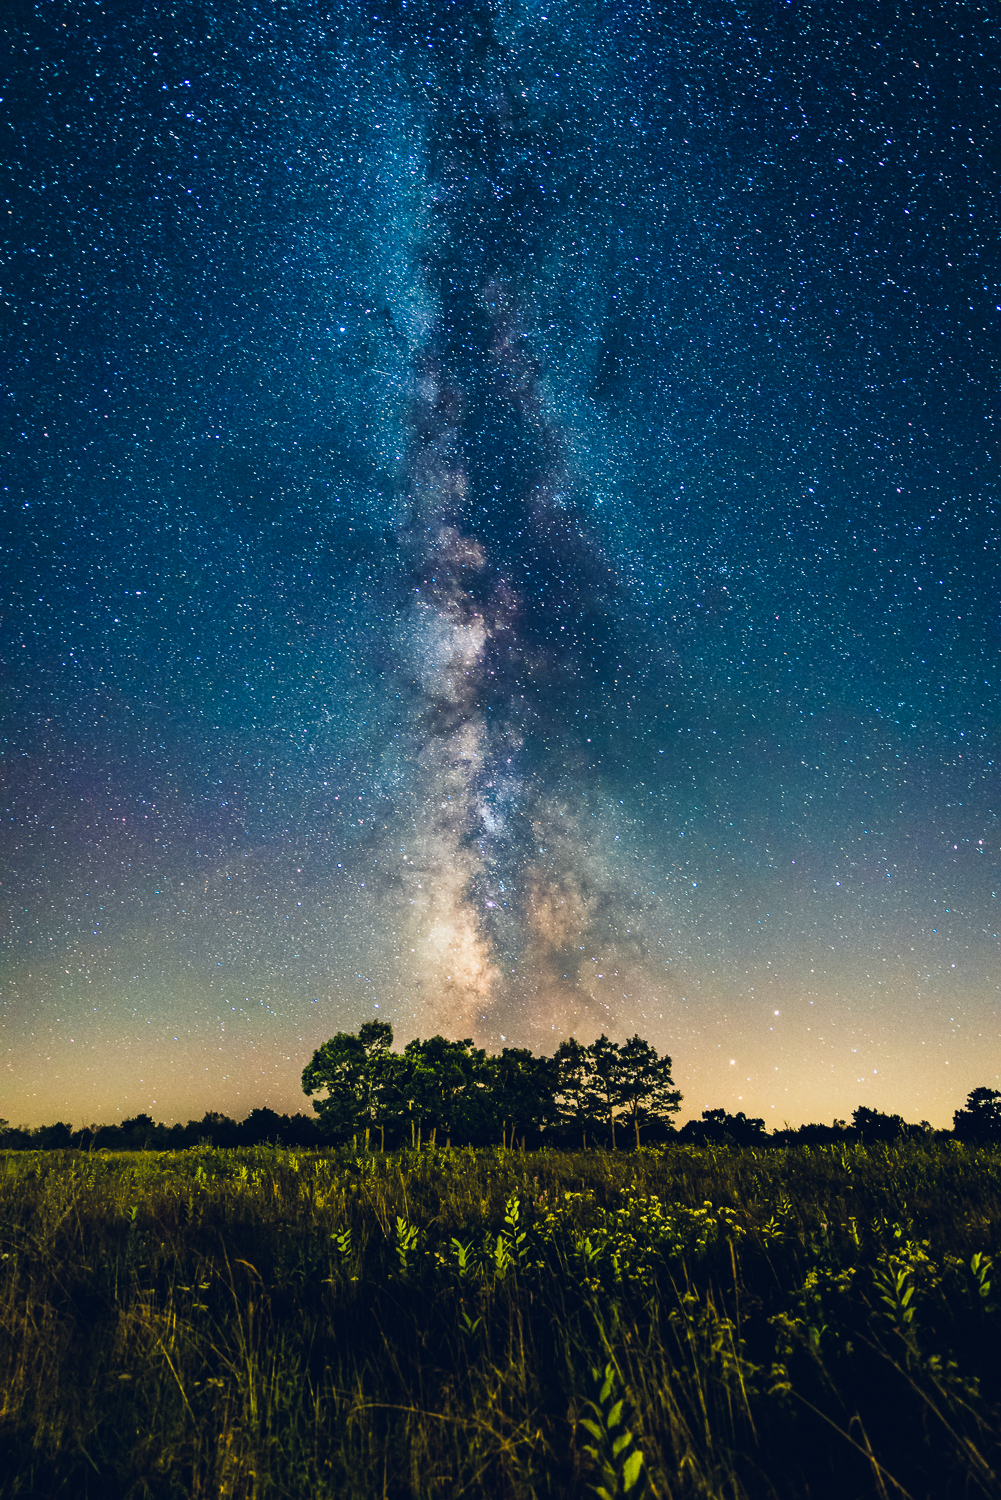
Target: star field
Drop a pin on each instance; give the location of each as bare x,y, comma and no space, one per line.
501,534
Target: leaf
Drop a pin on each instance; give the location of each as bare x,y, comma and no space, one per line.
622,1441
615,1415
631,1470
593,1429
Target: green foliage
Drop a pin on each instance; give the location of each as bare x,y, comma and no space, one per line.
981,1267
360,1076
572,1075
628,1082
644,1086
802,1322
407,1236
613,1449
521,1091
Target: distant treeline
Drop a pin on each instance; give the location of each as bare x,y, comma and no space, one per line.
141,1133
442,1092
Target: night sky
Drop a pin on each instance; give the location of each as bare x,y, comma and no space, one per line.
501,535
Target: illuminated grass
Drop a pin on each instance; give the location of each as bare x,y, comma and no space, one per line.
266,1322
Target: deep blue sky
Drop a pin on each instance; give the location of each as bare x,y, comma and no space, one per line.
500,512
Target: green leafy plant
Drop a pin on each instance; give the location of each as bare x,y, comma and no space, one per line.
515,1237
465,1258
469,1327
981,1267
407,1236
613,1449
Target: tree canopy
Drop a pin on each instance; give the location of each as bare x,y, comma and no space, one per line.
979,1123
437,1088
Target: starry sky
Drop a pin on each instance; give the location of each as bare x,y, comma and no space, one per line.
500,513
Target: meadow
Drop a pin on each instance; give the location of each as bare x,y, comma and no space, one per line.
675,1321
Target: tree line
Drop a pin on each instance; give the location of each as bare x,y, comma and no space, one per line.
442,1092
142,1133
583,1095
446,1092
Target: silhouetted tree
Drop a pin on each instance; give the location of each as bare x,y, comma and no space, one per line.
573,1076
979,1122
138,1133
605,1074
719,1128
871,1127
52,1137
218,1129
811,1135
262,1127
644,1086
522,1090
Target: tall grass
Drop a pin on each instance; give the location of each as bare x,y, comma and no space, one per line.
685,1323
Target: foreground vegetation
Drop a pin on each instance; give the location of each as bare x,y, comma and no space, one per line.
710,1322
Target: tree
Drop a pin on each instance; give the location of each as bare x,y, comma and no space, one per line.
645,1086
262,1126
338,1066
351,1069
389,1074
443,1079
376,1038
810,1134
871,1126
139,1132
573,1068
438,1084
522,1087
979,1122
717,1127
606,1066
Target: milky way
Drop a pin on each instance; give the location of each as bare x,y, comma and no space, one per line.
501,535
512,614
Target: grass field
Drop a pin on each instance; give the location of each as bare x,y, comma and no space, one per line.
266,1322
